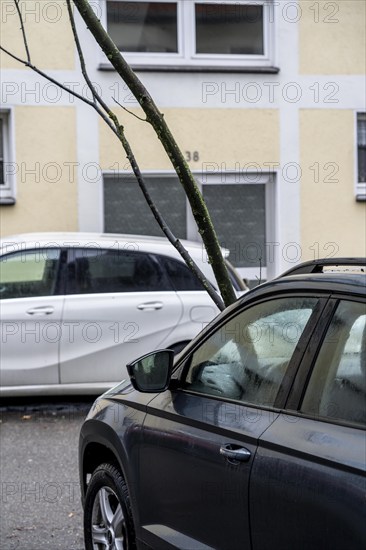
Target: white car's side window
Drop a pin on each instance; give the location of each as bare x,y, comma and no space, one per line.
29,273
94,271
247,357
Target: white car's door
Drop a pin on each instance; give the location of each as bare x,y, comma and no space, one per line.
198,307
119,305
30,310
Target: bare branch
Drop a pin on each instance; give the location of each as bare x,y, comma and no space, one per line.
129,112
113,123
156,119
96,96
60,85
163,225
29,64
46,76
136,169
23,30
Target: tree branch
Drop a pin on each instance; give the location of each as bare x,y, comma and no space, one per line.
60,85
136,169
156,119
128,111
96,96
164,227
118,130
23,30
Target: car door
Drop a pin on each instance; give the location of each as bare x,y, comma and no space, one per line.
119,305
198,307
31,310
310,467
200,439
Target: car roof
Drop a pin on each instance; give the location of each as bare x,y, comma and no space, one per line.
109,240
328,282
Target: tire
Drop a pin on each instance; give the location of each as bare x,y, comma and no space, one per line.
108,523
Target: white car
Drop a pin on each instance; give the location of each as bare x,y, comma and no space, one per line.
76,308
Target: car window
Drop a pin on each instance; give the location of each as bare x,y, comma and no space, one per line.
29,273
235,279
180,275
247,357
101,271
337,387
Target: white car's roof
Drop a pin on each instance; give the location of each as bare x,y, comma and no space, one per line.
144,243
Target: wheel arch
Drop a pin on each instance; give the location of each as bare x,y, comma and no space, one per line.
100,444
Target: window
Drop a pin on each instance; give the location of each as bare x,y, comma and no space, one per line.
247,358
361,156
29,273
238,213
7,170
181,277
126,211
248,231
95,271
192,32
337,388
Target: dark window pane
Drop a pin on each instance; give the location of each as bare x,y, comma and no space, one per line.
126,211
143,26
247,357
238,214
2,178
232,29
361,142
180,275
337,388
29,273
103,271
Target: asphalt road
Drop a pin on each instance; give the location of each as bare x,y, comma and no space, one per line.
40,496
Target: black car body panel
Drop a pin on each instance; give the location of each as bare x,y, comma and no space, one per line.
207,470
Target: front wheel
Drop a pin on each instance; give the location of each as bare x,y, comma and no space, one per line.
108,523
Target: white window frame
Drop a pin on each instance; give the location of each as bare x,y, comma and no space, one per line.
186,27
7,189
360,187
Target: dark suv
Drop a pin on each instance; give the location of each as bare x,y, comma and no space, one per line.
254,437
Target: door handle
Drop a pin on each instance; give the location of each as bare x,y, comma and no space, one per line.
234,453
150,305
41,310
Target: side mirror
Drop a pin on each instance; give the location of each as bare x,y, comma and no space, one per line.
151,373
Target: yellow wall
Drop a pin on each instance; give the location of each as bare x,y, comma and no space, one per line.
332,37
329,211
48,33
219,135
45,141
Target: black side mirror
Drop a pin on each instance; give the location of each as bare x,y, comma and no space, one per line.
151,373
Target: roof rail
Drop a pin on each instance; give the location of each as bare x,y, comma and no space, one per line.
316,266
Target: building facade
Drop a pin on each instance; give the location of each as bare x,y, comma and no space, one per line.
265,98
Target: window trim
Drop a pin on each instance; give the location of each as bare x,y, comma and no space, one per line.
186,59
360,188
7,190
